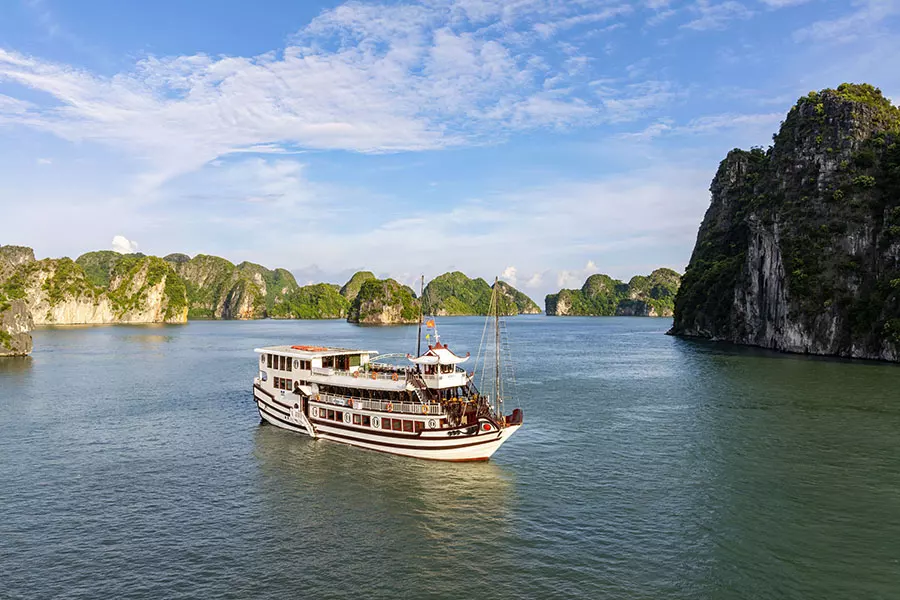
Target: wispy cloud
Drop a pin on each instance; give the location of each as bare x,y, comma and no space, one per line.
362,77
863,21
716,15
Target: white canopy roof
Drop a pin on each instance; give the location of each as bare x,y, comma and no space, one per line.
438,355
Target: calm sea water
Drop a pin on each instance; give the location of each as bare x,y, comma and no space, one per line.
132,464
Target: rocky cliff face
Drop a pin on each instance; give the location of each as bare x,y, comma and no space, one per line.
138,289
15,328
351,288
800,248
455,294
601,295
384,302
218,289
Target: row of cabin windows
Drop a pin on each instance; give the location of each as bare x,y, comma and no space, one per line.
367,394
283,384
341,363
366,421
285,363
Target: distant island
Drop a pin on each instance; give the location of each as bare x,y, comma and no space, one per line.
800,248
603,296
109,287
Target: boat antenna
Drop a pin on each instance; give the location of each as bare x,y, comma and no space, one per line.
421,316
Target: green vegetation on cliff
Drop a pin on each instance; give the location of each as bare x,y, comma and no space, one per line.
603,296
384,302
317,301
456,294
799,248
351,288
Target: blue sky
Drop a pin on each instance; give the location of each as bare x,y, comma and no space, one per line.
541,140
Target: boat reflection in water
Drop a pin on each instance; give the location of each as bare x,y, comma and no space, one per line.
408,521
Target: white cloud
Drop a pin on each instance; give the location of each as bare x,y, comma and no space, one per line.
122,244
44,161
509,275
360,77
712,15
863,22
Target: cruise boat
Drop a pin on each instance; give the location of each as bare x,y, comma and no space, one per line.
429,407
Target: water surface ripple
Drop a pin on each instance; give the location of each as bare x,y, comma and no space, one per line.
132,464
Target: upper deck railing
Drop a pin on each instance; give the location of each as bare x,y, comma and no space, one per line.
430,409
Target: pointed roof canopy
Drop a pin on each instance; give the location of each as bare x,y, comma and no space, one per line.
438,355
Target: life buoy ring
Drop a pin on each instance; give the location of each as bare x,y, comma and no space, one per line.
317,398
424,409
376,422
374,375
355,374
389,407
395,377
432,424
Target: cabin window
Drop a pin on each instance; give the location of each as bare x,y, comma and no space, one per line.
408,426
329,414
268,361
289,384
396,424
420,426
328,362
357,420
354,360
366,421
338,415
305,365
289,363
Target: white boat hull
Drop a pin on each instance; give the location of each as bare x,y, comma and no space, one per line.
476,442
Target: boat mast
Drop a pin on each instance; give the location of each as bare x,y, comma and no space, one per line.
498,401
421,315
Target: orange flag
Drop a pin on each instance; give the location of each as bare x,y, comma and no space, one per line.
429,323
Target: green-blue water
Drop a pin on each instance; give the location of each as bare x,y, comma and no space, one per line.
132,464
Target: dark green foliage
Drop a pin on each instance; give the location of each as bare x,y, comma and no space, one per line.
456,294
98,265
378,299
351,288
834,229
68,280
318,301
603,296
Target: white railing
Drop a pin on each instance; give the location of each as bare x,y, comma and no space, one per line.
379,406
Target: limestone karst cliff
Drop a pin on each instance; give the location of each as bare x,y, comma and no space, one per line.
133,289
454,294
384,302
800,248
601,295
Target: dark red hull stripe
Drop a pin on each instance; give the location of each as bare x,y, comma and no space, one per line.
274,408
256,387
391,434
293,427
403,446
290,426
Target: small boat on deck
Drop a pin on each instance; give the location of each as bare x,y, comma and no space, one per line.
427,408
